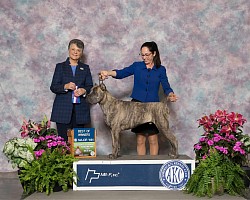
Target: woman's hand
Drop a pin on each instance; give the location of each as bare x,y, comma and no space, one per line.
70,86
79,92
105,74
172,97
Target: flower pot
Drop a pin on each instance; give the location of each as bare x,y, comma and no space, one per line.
218,191
57,188
247,177
24,195
18,173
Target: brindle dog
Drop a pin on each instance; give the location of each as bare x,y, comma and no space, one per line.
122,115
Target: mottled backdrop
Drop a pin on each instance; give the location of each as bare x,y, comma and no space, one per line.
204,45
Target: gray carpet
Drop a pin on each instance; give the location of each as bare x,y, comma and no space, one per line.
11,189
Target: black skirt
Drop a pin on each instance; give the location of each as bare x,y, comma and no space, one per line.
146,128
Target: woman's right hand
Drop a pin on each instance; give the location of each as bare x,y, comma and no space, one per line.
70,86
103,75
172,97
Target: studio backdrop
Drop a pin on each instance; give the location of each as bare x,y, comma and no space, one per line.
204,45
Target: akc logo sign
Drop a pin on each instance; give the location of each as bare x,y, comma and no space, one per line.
174,174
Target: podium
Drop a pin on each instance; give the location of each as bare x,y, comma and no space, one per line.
132,172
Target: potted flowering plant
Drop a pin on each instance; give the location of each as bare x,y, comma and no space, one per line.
216,174
51,172
221,151
43,135
223,131
43,158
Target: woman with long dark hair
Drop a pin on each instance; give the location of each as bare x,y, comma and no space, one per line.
148,75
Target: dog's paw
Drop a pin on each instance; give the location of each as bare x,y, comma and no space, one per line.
111,156
173,156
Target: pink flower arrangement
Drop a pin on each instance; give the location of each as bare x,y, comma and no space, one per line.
51,143
223,132
33,129
45,137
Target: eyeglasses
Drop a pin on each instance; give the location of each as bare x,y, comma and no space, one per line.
145,55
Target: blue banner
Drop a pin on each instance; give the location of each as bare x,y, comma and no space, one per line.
91,175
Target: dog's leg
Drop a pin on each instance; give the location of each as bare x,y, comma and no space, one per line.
119,147
174,145
115,143
170,137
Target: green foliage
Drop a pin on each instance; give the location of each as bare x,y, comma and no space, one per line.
53,168
216,174
246,140
19,151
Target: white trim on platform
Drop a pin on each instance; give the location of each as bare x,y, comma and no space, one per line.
120,188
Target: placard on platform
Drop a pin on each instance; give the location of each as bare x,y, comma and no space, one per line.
133,173
83,142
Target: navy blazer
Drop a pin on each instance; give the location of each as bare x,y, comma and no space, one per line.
63,106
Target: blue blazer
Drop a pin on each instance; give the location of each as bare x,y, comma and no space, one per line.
146,82
63,106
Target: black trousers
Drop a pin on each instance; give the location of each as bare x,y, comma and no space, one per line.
62,129
146,128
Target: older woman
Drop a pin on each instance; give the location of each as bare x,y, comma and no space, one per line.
72,80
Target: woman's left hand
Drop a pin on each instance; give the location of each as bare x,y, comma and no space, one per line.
80,91
172,97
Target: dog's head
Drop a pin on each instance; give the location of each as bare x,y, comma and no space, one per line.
96,94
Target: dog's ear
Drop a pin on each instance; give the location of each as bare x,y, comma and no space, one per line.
103,87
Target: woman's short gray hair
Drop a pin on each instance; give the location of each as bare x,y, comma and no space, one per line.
77,42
